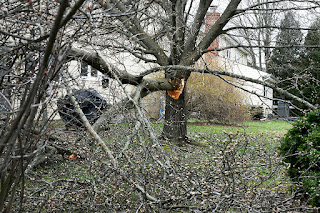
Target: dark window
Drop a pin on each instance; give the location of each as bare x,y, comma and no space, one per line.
94,72
228,53
84,69
105,82
265,91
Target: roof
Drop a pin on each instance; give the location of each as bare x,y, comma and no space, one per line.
235,43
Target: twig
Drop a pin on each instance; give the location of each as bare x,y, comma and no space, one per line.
91,130
106,149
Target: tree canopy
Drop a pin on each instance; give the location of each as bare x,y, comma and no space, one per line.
310,85
292,60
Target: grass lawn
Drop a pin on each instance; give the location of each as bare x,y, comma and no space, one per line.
273,127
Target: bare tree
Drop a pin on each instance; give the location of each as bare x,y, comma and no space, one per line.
259,37
167,34
27,74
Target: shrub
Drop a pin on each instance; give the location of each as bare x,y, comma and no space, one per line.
214,99
301,148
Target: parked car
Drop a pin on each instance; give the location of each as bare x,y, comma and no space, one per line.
91,103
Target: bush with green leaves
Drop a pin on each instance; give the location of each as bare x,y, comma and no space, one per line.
301,149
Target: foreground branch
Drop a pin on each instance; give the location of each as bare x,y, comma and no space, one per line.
150,85
233,75
106,149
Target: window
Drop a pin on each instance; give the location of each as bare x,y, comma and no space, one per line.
84,70
105,82
94,72
228,53
265,91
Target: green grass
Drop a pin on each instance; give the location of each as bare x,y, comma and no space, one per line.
271,127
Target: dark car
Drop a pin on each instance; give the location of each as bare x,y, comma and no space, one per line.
91,103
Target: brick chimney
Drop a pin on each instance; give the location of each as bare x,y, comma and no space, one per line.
210,19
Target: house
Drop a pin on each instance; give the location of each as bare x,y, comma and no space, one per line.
236,60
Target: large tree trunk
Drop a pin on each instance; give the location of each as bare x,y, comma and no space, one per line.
175,126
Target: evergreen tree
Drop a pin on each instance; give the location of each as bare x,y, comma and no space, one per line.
285,59
310,81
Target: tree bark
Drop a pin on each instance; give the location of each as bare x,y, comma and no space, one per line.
175,126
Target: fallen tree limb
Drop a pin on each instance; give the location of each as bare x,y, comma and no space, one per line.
109,153
230,74
97,61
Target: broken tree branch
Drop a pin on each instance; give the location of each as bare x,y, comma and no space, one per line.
96,60
109,153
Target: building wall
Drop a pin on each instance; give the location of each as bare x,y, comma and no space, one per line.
265,94
235,60
110,91
92,79
238,55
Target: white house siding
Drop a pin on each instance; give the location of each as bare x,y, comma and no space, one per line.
256,94
239,55
232,60
76,81
235,60
112,94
